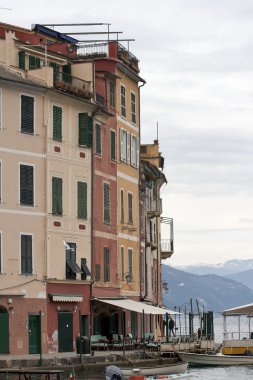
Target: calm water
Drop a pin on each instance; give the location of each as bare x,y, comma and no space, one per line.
225,373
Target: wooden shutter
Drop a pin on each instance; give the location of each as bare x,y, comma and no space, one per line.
122,263
98,139
57,123
106,203
113,146
130,262
66,73
26,185
97,274
130,208
56,70
27,114
34,62
56,196
122,205
82,200
106,264
128,136
85,126
21,60
26,254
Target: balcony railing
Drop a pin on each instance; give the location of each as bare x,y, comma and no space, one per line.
73,85
154,207
167,248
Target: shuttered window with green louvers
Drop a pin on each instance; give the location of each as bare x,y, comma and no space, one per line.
57,123
66,74
34,62
26,254
21,59
27,114
106,264
82,200
26,185
85,125
106,203
97,273
113,145
56,70
56,196
98,139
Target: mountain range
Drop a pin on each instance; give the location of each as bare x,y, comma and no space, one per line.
212,292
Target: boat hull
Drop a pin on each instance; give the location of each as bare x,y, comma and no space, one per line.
215,360
237,347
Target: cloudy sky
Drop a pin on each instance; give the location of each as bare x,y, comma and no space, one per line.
197,59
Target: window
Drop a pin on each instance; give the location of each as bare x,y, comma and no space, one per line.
112,94
56,196
106,203
66,73
106,264
26,254
97,273
130,208
21,59
34,62
26,185
123,100
124,146
113,145
27,114
130,263
72,267
98,139
82,200
134,151
57,123
85,123
122,205
122,254
133,108
85,269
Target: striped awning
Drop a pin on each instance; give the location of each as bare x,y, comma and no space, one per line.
66,297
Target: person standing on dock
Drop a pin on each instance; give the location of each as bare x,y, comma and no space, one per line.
171,326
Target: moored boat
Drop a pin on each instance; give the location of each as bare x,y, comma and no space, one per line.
195,359
239,342
155,369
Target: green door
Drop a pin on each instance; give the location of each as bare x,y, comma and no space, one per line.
4,332
34,334
65,332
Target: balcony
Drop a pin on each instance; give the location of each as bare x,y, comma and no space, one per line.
72,85
154,207
167,248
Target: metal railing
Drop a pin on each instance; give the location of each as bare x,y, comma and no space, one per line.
91,50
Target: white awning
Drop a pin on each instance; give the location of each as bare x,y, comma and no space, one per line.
136,306
240,310
66,297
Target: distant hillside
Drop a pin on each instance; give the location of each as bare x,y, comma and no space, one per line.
214,292
221,269
245,277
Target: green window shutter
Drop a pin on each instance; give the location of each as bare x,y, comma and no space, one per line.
112,94
56,196
106,264
66,73
98,139
130,262
106,203
113,146
97,274
27,114
85,126
57,123
26,185
130,208
82,200
21,60
26,254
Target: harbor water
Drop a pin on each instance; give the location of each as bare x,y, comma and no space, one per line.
225,373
